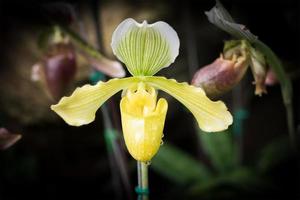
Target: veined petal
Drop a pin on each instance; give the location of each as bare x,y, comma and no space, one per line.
212,116
80,108
145,48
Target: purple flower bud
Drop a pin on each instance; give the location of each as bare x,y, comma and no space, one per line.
222,75
271,78
59,68
259,71
225,72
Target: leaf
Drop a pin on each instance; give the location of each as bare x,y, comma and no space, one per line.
220,17
220,149
239,179
274,153
179,166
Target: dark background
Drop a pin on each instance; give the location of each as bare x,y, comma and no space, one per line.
56,161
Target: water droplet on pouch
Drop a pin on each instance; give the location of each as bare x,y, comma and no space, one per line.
161,142
148,163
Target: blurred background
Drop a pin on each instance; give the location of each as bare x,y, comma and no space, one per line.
253,159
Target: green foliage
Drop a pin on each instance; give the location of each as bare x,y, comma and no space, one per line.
221,150
239,179
183,169
273,154
179,166
220,17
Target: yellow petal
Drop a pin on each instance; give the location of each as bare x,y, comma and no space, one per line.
145,48
81,106
212,116
142,121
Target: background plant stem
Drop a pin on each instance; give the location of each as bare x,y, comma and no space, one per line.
81,43
118,156
286,88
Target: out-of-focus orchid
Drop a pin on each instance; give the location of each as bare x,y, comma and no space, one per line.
8,139
145,49
226,71
57,68
262,56
259,70
271,78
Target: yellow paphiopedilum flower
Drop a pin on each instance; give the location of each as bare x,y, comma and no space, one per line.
144,49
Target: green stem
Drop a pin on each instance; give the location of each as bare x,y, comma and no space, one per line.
142,189
81,43
57,36
286,87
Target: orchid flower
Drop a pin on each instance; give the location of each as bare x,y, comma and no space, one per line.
145,49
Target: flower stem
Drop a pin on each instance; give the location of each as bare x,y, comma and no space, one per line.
286,88
81,43
142,188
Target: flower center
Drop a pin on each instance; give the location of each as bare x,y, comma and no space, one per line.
141,100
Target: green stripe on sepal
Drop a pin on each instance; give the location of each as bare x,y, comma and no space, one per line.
145,48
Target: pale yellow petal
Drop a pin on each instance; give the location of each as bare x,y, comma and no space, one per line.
80,108
212,116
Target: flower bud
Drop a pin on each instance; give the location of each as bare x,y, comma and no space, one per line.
259,71
59,68
271,78
143,121
224,73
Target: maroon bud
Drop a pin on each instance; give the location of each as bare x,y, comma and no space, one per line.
60,68
225,72
222,75
271,78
